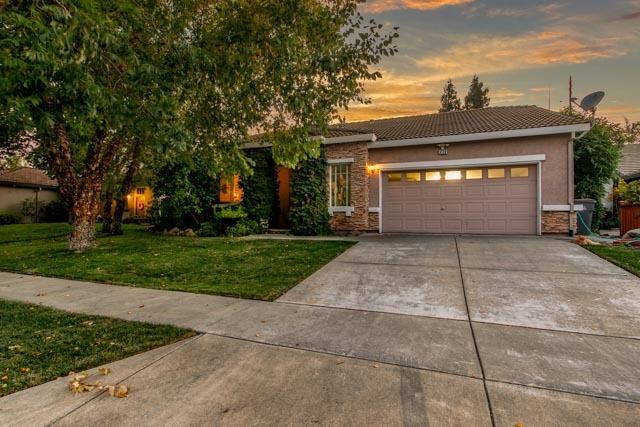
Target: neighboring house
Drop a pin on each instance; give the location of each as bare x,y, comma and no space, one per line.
22,183
139,201
501,170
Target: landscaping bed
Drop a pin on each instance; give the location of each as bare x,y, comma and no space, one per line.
39,344
256,269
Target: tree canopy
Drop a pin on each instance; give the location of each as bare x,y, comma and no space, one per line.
449,101
91,79
478,95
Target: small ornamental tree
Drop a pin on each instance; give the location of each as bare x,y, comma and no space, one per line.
478,95
449,100
596,157
89,78
309,213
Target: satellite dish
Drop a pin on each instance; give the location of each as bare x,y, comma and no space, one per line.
591,101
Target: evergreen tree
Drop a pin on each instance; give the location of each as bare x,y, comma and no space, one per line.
477,96
449,98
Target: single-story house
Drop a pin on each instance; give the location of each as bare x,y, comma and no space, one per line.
22,183
498,170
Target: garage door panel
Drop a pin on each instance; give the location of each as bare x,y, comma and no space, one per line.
474,208
413,209
414,192
502,205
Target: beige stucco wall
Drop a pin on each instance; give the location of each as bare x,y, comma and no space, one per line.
11,198
555,180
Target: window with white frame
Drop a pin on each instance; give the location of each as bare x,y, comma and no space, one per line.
339,184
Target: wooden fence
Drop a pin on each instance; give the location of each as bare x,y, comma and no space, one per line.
629,217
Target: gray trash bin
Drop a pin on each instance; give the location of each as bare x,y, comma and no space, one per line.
585,216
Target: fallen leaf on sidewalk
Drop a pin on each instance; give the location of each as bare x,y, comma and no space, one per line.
375,365
104,371
339,362
141,305
40,294
118,391
519,425
257,334
78,383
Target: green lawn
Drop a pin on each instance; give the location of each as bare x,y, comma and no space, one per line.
39,344
257,269
22,232
622,256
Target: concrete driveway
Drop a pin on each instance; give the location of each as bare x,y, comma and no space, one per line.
398,330
552,325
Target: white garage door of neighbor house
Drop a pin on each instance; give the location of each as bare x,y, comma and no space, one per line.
494,200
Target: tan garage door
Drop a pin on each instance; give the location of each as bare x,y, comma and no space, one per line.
497,200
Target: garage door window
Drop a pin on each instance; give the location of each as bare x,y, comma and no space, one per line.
452,175
432,176
519,172
495,173
413,176
473,174
339,184
394,177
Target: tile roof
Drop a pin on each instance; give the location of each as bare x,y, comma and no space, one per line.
26,176
490,119
630,161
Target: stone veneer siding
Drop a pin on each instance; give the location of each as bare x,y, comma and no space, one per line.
359,186
558,222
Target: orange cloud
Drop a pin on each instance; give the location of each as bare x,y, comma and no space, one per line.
378,6
481,54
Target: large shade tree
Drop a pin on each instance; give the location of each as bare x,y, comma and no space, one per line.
91,79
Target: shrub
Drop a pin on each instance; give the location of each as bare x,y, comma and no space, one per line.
29,209
244,227
309,214
260,190
228,217
208,229
56,211
629,193
7,218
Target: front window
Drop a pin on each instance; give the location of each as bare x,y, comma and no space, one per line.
230,190
339,184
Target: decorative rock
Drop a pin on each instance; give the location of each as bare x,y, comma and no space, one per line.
189,233
174,231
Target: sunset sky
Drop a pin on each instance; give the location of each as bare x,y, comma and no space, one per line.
518,48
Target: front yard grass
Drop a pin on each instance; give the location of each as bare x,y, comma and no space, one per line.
256,269
39,344
622,256
23,232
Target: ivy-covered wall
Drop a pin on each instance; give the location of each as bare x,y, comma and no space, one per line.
260,198
309,199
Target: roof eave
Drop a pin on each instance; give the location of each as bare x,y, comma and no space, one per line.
483,136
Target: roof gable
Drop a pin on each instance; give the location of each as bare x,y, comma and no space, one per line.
26,176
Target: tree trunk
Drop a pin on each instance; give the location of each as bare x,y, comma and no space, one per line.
107,212
125,188
83,235
116,228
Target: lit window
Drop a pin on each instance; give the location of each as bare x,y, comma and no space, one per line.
432,176
473,174
230,190
495,173
519,172
452,175
413,176
394,177
339,184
